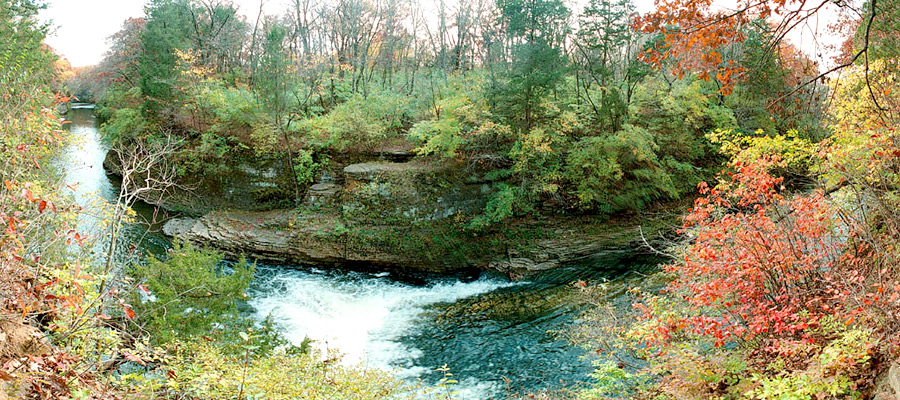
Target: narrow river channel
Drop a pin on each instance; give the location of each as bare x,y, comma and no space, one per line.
496,336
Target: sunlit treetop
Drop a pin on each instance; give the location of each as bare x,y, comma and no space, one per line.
696,33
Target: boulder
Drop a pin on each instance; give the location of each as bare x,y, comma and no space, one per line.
894,378
887,385
322,193
370,171
18,339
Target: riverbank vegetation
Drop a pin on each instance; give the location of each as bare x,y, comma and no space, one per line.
785,284
72,329
549,105
780,290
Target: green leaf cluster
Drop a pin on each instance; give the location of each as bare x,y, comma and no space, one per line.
192,293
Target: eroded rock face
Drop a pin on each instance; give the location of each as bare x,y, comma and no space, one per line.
369,171
399,216
567,243
248,185
292,237
320,238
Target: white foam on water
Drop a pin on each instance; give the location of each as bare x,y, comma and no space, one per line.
364,317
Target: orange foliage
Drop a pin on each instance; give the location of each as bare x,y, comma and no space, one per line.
762,266
696,33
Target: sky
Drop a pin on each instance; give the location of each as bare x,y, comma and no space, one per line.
82,26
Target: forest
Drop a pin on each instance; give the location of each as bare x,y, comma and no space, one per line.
473,145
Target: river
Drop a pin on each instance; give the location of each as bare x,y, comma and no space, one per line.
496,336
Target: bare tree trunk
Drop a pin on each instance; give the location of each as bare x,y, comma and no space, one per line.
146,174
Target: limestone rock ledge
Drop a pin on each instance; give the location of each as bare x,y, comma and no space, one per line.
321,239
283,236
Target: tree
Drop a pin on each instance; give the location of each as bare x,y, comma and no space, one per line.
218,34
121,62
273,87
168,28
697,35
23,57
147,174
536,30
607,68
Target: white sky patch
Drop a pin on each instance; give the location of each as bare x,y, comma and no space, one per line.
81,27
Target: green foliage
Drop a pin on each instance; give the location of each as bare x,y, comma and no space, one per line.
830,374
507,201
537,70
359,123
606,77
124,124
441,137
801,387
538,65
795,152
883,42
305,167
168,28
831,371
619,172
679,116
230,110
537,160
461,123
202,370
272,78
189,293
24,62
611,381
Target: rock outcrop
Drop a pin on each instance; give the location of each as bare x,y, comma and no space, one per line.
293,238
887,386
307,238
384,171
389,215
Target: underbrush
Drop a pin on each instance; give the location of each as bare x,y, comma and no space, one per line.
777,292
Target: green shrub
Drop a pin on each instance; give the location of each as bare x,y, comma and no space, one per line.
200,369
506,202
679,115
230,109
123,124
794,151
190,293
618,172
458,123
360,122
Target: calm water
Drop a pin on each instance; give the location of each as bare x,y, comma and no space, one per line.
496,336
82,163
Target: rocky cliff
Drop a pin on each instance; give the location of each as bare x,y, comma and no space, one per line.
383,214
386,215
297,237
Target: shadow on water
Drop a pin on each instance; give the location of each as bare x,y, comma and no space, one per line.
507,338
